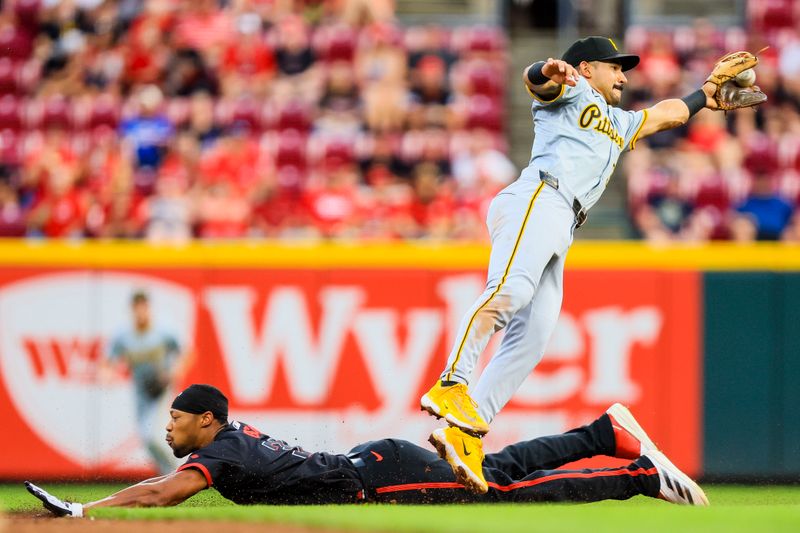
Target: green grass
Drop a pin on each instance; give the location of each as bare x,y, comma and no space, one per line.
734,508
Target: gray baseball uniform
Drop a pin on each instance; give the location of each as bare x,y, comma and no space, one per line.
148,354
578,140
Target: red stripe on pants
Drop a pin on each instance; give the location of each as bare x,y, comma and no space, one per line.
522,484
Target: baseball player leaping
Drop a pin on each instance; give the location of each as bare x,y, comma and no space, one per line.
579,135
248,467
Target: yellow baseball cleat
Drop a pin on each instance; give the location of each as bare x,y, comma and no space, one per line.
454,404
464,453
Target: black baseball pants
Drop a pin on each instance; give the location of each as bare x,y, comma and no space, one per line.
398,471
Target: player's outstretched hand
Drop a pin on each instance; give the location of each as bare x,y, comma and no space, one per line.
53,504
560,72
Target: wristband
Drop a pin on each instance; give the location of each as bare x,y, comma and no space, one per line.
695,101
535,75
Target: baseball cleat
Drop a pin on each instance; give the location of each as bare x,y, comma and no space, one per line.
631,439
675,486
464,453
454,404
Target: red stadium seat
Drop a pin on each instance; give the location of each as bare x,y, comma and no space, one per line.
56,113
484,79
27,12
15,42
295,115
105,113
10,148
290,177
713,193
712,197
480,38
9,77
247,111
337,43
10,113
338,152
291,150
483,112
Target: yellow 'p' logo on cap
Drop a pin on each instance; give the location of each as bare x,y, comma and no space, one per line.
614,45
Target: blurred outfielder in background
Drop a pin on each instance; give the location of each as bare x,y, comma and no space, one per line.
152,355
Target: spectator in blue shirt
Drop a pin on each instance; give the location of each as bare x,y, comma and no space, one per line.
149,132
764,214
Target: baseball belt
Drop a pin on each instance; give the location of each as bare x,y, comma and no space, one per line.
580,212
358,462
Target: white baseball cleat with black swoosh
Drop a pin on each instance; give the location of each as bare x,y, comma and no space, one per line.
676,487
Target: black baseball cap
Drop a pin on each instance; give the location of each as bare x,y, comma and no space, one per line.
598,49
199,398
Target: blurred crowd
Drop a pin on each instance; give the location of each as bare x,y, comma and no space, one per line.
733,176
174,119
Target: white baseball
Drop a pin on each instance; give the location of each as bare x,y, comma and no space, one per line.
746,78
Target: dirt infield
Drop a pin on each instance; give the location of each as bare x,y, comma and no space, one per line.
45,524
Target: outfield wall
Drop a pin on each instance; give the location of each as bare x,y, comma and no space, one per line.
334,344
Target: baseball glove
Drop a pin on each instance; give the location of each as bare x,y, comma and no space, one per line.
731,96
155,385
728,94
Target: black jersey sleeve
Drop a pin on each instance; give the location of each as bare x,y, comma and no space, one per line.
214,460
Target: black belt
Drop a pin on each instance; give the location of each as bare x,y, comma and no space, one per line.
358,462
580,212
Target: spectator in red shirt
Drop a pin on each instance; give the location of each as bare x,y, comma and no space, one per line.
659,65
223,212
146,53
45,153
277,212
60,211
248,62
236,160
387,206
335,207
203,26
432,206
182,160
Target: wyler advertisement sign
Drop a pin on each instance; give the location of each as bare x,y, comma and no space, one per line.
325,358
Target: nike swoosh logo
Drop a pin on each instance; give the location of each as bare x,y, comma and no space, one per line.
378,457
464,445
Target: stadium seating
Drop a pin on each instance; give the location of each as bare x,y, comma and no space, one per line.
152,100
746,144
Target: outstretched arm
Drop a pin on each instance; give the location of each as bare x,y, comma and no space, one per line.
673,112
163,491
545,78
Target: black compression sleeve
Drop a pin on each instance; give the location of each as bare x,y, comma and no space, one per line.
695,101
535,75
